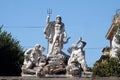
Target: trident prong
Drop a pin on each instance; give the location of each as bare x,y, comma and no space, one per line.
49,11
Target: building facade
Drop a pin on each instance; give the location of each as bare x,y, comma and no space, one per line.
112,32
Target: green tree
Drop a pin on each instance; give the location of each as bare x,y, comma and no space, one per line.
107,68
110,66
11,55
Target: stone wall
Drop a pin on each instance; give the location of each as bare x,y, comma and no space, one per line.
36,78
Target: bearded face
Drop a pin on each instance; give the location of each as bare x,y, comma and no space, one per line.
58,20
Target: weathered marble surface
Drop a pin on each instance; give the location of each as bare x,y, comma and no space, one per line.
36,78
56,62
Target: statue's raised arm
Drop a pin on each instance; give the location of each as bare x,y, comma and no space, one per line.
49,29
48,19
83,43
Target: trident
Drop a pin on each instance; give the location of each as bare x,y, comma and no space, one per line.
49,12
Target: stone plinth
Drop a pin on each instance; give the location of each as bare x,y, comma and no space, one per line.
73,78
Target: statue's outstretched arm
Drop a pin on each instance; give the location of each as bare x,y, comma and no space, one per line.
47,23
83,43
79,41
46,29
28,51
48,19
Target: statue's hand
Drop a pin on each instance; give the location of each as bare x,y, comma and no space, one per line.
65,35
48,17
50,39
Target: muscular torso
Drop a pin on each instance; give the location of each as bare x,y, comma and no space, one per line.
36,53
77,53
58,28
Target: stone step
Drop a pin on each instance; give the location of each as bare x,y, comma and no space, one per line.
72,78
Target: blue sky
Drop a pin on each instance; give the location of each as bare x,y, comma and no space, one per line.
90,19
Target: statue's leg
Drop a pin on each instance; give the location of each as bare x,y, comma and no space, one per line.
60,38
52,45
31,66
61,41
83,64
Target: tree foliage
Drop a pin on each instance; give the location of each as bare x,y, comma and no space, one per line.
110,66
11,55
107,68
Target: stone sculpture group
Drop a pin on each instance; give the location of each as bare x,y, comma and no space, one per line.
56,62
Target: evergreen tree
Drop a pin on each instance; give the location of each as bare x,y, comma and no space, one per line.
11,55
